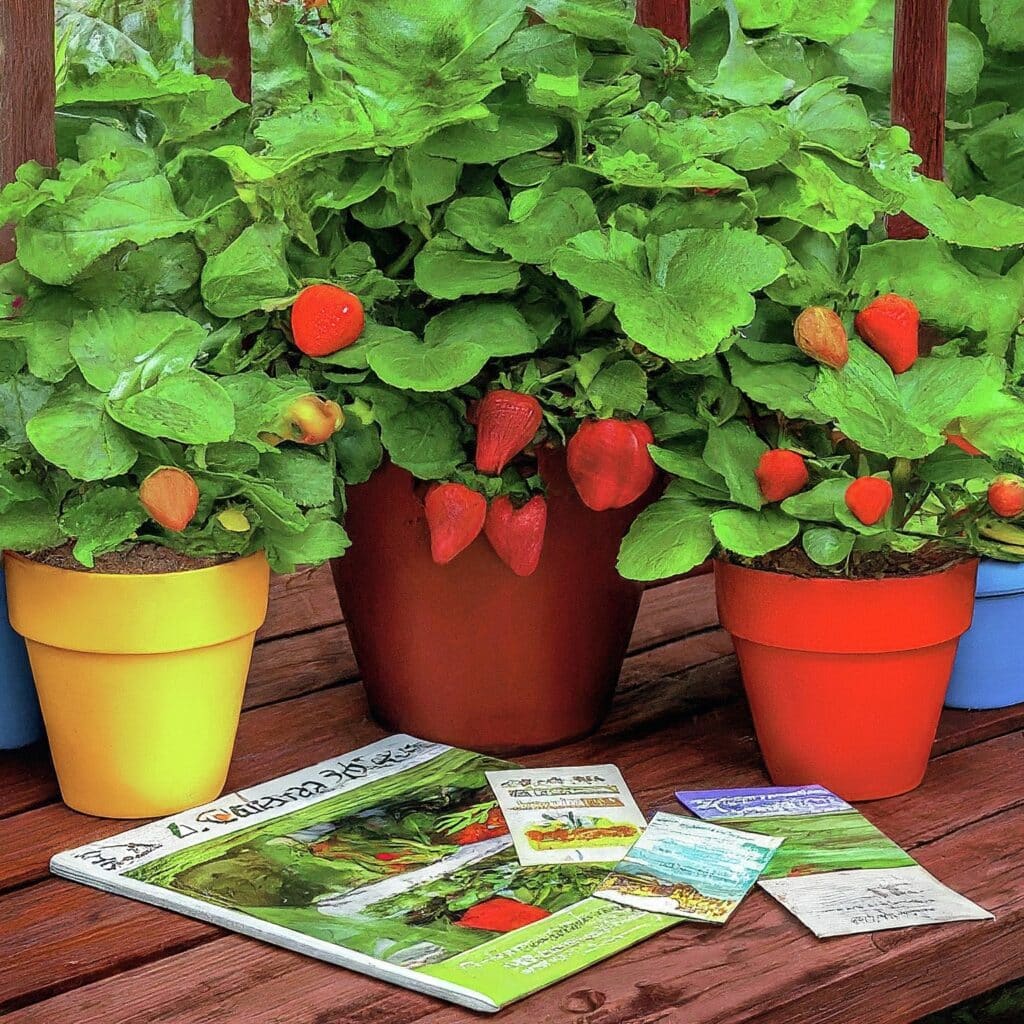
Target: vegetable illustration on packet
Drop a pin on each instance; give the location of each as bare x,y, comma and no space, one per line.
580,815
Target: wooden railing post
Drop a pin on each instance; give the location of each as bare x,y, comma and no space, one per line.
222,34
27,92
919,90
672,17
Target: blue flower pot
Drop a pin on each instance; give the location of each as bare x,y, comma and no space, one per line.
989,668
20,720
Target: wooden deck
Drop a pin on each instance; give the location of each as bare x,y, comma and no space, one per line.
73,955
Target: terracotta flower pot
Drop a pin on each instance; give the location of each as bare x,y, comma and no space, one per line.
469,653
846,678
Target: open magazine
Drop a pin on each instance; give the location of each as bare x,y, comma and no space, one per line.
392,860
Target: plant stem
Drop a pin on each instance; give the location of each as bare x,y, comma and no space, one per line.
901,474
598,312
405,257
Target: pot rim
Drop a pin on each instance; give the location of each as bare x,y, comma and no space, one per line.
94,574
888,580
845,617
1000,579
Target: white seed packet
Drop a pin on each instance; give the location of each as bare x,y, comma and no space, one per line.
580,815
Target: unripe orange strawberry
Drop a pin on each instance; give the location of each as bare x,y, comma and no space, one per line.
170,496
780,474
314,420
820,333
869,498
890,326
1006,495
326,319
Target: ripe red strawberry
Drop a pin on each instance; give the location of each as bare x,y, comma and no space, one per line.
609,463
170,496
780,474
819,333
1006,495
455,517
505,424
517,534
326,319
890,326
869,498
961,442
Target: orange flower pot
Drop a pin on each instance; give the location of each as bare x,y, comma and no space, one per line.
846,678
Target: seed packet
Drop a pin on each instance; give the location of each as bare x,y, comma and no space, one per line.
688,868
837,873
580,815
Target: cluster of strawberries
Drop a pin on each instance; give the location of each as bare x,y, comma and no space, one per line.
890,325
608,462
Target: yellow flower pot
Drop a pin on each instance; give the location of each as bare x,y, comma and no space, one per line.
140,678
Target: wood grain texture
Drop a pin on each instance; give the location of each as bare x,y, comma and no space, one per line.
764,968
919,90
672,17
222,38
27,92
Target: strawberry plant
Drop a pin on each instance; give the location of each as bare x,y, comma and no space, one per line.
143,399
565,231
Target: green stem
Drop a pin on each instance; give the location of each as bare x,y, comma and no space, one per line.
902,470
598,312
406,256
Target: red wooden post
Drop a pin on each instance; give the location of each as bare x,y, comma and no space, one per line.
222,33
27,92
919,90
672,17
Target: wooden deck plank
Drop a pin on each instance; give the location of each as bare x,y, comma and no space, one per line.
783,977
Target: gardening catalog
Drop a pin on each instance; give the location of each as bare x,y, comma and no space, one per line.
835,871
394,860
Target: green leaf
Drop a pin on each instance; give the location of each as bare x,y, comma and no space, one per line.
681,294
819,504
358,448
733,450
830,117
620,387
30,526
56,242
1004,21
42,327
456,345
742,75
670,537
751,533
304,477
102,522
189,407
249,274
688,466
21,398
827,546
122,352
782,386
447,269
318,542
423,437
74,431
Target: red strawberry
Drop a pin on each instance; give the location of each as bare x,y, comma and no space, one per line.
455,517
819,333
326,319
517,534
961,442
780,474
609,462
869,498
890,325
505,424
1006,495
170,496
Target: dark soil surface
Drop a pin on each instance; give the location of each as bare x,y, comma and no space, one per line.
139,560
863,565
